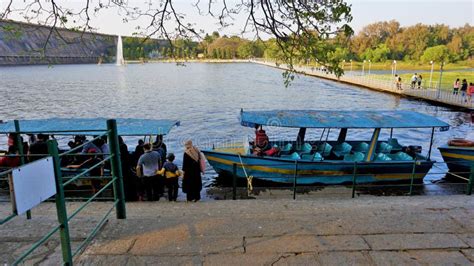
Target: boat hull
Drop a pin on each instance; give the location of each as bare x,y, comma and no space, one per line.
458,159
323,172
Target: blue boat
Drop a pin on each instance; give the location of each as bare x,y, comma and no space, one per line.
324,161
459,159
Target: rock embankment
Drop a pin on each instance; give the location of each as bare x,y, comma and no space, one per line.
26,44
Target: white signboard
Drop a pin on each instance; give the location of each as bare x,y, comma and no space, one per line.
33,183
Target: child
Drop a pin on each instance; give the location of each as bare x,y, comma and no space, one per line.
171,173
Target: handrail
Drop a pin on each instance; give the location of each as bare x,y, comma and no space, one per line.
8,218
95,230
91,199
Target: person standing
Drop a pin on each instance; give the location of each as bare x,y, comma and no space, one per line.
456,87
419,80
147,166
463,90
414,79
470,92
171,172
192,183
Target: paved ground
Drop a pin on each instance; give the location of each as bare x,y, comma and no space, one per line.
366,231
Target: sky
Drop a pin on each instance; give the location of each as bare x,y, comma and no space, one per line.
454,13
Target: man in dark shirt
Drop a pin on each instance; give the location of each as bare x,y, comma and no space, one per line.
38,147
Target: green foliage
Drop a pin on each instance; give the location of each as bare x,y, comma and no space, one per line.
380,54
387,40
439,53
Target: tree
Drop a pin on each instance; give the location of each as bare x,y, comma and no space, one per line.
439,53
300,28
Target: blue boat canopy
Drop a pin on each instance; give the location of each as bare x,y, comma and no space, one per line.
340,119
88,126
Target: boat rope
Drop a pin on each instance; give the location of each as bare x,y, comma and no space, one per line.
249,178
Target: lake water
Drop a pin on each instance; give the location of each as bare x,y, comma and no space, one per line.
206,98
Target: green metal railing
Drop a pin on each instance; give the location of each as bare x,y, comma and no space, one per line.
116,181
355,174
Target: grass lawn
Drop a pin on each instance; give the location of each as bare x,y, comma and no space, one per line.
446,83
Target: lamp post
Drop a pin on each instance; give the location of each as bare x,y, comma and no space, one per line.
431,74
363,68
343,63
370,64
440,77
351,66
394,67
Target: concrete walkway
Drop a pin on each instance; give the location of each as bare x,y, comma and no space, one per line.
365,231
442,97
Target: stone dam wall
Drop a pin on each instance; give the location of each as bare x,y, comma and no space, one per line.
27,44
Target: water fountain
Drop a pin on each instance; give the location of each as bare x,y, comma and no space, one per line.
119,56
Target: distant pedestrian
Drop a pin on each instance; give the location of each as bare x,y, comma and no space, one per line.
463,90
147,166
399,83
192,183
171,173
414,79
456,87
470,92
419,80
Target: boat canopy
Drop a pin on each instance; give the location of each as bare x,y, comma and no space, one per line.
76,126
340,119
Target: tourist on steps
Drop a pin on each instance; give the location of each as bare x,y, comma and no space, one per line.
192,183
171,173
147,166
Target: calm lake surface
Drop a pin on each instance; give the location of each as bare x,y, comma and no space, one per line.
206,98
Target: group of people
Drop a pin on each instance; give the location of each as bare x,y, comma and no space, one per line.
467,91
156,170
146,172
34,149
415,81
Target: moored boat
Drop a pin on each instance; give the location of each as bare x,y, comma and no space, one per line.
324,161
458,155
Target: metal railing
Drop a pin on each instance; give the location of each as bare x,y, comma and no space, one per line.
377,82
355,173
116,182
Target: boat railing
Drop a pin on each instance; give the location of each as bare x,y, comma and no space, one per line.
463,179
115,183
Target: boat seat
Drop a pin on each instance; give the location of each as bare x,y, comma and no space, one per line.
342,149
395,145
361,147
356,157
327,149
306,149
286,150
382,157
400,156
293,156
383,147
312,157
